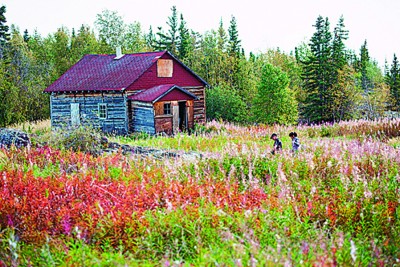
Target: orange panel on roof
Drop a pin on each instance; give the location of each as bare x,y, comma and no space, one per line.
165,68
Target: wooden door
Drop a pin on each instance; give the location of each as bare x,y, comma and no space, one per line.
175,117
75,118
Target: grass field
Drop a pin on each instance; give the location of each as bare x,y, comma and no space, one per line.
335,203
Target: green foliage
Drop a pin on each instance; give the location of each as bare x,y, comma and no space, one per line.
82,138
4,34
317,73
169,40
393,81
225,104
336,202
327,81
274,102
234,41
185,41
111,28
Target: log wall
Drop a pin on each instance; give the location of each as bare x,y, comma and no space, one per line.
116,121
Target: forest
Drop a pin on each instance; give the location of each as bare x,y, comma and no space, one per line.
319,81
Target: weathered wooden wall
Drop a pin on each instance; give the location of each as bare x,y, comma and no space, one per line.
189,110
116,121
143,117
164,124
199,106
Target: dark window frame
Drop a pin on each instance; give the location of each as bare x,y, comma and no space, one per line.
167,108
102,108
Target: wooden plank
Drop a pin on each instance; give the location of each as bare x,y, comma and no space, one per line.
164,125
143,118
116,120
175,117
199,106
190,117
165,67
159,108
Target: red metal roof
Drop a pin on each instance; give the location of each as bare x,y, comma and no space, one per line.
159,92
103,72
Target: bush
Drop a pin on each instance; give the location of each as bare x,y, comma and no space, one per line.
226,104
82,138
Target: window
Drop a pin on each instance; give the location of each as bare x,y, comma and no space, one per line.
75,119
102,111
165,68
167,108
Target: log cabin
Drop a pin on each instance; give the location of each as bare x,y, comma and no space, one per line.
150,92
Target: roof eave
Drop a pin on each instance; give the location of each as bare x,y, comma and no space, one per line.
172,88
188,69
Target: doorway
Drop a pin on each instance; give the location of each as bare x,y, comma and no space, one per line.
182,116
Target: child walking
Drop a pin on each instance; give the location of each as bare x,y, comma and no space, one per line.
295,142
277,144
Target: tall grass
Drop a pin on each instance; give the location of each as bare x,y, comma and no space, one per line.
336,202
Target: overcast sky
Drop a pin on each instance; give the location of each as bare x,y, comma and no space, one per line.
262,24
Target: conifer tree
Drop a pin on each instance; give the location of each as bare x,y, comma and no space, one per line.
222,38
26,36
363,65
317,73
168,41
4,34
234,42
393,80
184,46
340,34
150,38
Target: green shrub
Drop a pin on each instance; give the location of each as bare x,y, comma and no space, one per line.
225,104
82,138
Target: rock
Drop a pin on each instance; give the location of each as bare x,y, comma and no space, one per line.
9,137
104,141
113,145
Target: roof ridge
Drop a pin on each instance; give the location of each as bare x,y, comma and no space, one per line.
131,54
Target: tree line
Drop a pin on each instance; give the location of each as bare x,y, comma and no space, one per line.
320,81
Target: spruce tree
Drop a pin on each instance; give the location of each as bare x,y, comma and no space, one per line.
26,36
4,34
338,46
339,59
234,42
150,39
168,41
363,65
317,73
393,80
184,39
222,38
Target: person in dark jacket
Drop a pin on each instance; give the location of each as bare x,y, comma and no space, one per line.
295,142
277,144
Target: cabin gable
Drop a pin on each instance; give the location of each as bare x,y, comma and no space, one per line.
179,75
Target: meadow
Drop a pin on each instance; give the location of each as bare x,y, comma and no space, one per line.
335,203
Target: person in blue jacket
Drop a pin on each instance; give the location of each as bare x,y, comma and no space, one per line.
295,141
